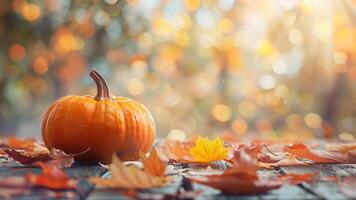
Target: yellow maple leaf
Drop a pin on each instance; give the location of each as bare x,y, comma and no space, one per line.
207,151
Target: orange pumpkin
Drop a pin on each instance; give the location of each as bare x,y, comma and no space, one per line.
103,124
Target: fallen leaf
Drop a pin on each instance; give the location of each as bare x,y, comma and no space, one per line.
175,151
242,178
207,151
153,164
129,177
52,178
60,159
318,156
342,148
291,160
24,157
17,143
54,157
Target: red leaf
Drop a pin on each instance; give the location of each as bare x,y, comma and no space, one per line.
55,157
26,159
300,150
52,178
242,179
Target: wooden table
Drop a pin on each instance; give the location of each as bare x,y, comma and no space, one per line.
317,190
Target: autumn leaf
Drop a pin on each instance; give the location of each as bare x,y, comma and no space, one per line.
25,158
52,178
342,148
153,164
318,156
290,160
54,157
17,143
175,151
242,178
129,177
206,151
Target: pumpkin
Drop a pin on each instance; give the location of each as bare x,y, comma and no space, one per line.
98,126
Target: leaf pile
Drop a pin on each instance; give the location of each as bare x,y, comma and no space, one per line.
239,171
28,152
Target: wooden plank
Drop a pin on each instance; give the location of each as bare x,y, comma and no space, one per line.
285,192
77,171
349,168
323,189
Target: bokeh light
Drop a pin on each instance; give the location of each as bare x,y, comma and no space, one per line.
258,69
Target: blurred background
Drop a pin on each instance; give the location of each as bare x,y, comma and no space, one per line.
268,69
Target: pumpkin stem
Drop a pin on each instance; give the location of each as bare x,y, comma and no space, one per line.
102,86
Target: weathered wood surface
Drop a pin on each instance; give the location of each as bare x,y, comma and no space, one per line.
318,190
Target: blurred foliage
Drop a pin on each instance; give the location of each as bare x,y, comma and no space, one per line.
269,69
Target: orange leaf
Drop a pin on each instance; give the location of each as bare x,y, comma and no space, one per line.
52,178
177,151
55,157
17,143
129,177
342,148
153,164
242,179
300,150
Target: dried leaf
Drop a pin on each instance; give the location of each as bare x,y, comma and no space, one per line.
318,156
206,151
55,157
245,179
24,157
17,143
175,151
291,160
60,159
52,178
153,164
242,179
129,177
342,148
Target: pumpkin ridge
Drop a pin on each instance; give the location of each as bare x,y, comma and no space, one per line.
53,115
65,120
122,121
150,126
145,130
